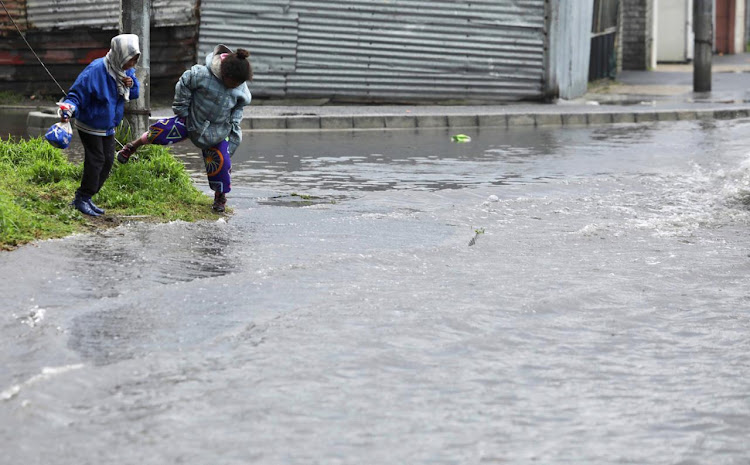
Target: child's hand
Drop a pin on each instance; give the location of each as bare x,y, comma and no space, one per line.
127,81
66,111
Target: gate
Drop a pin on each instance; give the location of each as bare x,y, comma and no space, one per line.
603,61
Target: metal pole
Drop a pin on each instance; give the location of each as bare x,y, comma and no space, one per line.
704,41
136,19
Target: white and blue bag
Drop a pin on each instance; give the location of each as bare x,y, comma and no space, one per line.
59,135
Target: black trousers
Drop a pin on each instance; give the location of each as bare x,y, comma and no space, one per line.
99,156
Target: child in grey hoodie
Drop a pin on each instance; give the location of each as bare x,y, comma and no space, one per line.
208,105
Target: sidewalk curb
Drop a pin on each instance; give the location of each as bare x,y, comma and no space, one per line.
497,120
38,122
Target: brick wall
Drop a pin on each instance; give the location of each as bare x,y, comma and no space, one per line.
637,19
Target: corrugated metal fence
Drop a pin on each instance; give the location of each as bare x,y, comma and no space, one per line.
385,50
448,51
103,14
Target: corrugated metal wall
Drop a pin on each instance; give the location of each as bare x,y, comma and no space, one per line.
385,50
104,14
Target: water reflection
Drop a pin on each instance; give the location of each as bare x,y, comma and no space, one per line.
428,160
143,252
423,159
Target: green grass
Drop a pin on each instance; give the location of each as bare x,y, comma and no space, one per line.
10,98
37,183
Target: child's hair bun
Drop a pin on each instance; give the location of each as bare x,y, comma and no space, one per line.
237,66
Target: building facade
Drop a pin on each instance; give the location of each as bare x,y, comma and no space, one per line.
409,51
661,31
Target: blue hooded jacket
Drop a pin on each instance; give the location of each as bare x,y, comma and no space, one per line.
98,105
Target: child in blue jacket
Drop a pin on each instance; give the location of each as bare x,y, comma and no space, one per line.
97,101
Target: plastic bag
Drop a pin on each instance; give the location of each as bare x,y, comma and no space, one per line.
59,135
461,138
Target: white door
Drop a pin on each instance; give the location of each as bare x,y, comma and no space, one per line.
674,30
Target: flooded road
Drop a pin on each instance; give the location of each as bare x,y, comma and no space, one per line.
341,316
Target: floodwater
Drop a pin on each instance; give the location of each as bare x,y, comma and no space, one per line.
341,316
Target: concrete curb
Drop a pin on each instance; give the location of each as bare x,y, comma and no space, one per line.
38,122
505,120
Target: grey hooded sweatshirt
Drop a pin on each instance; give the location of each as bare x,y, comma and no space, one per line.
212,112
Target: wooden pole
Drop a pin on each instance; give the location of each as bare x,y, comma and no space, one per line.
704,41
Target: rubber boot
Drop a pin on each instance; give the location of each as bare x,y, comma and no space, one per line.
95,208
220,202
81,204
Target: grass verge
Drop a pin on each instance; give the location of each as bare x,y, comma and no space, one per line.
10,98
37,183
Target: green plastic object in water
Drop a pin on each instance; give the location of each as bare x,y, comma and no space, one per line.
461,138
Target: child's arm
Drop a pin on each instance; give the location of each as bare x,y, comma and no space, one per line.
183,94
235,134
79,94
135,89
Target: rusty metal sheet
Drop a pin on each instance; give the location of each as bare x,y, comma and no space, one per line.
104,14
17,10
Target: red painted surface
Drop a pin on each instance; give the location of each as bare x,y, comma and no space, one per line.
92,55
67,52
725,16
57,56
10,58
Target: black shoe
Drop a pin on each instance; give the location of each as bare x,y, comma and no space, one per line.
95,208
220,202
82,205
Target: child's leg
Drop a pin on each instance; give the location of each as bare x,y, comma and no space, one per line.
218,169
163,132
94,162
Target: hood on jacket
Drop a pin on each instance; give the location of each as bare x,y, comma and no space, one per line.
213,59
123,48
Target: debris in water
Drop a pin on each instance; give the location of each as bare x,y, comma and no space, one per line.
477,232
